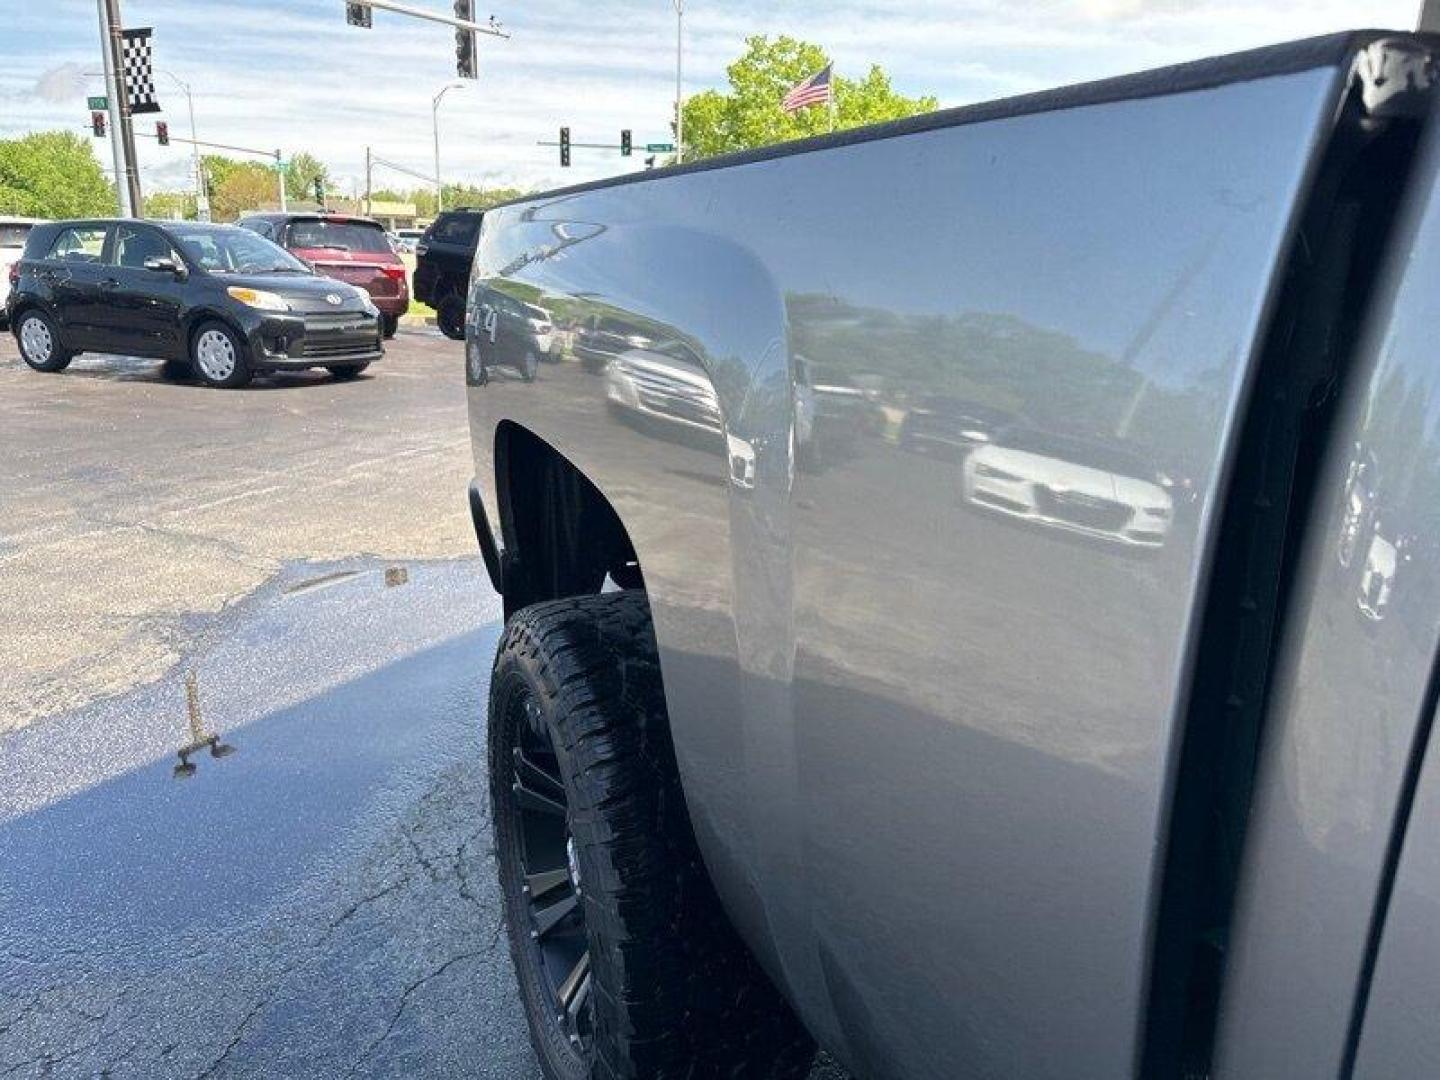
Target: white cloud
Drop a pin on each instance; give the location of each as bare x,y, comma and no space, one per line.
290,73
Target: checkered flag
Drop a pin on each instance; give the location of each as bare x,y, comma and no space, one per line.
137,72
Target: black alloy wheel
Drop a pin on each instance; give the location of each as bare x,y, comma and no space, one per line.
627,964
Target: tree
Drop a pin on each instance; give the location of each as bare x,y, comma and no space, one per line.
169,204
237,186
750,114
300,176
53,174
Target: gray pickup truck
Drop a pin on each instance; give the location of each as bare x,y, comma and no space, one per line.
973,587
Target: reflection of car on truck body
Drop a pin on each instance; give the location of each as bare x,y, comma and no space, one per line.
1074,485
785,756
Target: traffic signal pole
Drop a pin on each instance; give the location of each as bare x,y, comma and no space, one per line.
122,138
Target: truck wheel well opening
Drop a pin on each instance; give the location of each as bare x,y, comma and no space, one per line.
562,536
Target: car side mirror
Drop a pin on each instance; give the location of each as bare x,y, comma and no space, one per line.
166,266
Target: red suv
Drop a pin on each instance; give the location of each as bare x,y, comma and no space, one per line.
350,249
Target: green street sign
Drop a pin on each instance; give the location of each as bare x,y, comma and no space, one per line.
97,103
659,147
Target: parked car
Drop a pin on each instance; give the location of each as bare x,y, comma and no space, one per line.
781,757
442,267
520,333
13,231
404,240
355,250
215,301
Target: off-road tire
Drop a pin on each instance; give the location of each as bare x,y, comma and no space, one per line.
675,993
450,317
57,358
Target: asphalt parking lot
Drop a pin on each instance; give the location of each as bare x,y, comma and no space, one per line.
285,574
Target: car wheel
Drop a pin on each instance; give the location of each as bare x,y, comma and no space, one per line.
627,965
450,317
39,342
218,356
346,371
529,366
388,325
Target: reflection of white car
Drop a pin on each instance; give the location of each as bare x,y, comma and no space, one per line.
665,383
1071,485
13,232
1378,579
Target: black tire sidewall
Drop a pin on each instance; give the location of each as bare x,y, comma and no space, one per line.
389,325
59,356
242,373
515,675
344,372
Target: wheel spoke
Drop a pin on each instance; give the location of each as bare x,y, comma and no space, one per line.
533,800
537,778
546,881
577,980
546,919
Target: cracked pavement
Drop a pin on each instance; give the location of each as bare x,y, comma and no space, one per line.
320,900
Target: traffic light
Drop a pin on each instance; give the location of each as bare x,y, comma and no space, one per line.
465,41
625,142
564,147
358,15
320,190
162,133
97,124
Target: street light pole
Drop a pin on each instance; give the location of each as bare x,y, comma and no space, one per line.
435,123
679,68
202,198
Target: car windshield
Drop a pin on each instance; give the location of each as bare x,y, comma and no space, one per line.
235,251
462,230
337,235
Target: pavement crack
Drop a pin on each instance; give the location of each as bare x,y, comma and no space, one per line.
404,1001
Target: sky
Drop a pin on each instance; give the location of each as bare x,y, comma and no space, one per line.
291,73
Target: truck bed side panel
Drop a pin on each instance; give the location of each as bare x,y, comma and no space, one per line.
919,442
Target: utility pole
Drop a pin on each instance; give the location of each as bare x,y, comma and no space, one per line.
435,122
369,166
679,68
122,137
280,172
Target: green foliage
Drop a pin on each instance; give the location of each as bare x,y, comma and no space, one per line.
300,177
750,114
53,174
455,195
237,186
169,204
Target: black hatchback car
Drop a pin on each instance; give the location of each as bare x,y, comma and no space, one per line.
215,301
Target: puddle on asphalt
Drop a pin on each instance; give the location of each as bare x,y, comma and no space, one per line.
321,582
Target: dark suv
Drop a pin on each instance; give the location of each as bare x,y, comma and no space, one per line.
355,250
212,300
442,267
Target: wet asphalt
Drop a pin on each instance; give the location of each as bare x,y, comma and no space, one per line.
316,898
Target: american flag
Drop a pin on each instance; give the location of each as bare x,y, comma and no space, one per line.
813,91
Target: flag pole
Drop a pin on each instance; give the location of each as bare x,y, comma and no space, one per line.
833,105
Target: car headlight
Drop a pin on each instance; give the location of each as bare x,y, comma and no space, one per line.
258,298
